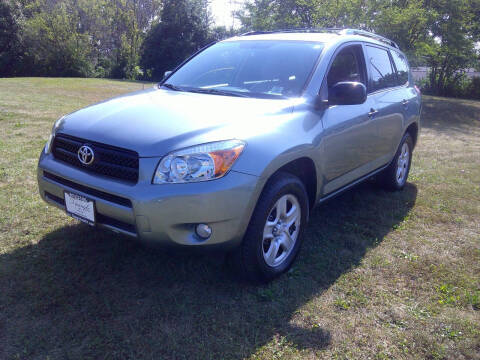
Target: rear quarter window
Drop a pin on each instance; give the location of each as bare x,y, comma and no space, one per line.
382,75
402,67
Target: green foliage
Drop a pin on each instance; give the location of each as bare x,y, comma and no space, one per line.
131,20
182,30
341,303
285,14
405,22
453,48
100,38
463,87
219,33
451,295
55,45
10,37
473,88
447,295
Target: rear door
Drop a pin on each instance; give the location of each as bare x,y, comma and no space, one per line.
410,102
387,96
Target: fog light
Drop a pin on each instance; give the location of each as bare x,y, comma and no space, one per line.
203,230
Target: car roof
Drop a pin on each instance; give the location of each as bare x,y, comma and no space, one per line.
316,37
329,36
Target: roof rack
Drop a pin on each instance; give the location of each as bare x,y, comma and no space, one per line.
370,35
301,30
339,31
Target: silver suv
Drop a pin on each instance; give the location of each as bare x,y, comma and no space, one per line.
235,147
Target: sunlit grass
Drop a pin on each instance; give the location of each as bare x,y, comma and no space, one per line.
381,275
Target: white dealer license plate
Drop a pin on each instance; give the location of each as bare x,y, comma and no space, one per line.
80,208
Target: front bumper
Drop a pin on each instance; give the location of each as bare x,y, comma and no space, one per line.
158,214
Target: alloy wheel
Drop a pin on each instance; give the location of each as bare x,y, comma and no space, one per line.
281,230
402,164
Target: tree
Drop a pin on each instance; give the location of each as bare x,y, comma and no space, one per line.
453,47
182,30
287,14
131,21
56,44
74,37
406,22
10,37
219,33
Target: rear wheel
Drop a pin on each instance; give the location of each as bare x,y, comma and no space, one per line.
273,237
395,176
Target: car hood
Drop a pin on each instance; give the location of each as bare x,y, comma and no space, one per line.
154,122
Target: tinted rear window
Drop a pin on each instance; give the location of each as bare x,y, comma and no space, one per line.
402,67
381,72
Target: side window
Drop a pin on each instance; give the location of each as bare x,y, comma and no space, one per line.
381,72
402,67
347,66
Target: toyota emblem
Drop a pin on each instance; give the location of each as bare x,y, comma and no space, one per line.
86,155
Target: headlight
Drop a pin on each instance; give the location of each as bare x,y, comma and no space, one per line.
56,125
198,163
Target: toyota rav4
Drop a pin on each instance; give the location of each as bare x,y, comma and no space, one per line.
235,147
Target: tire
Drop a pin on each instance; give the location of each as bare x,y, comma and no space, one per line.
261,257
391,178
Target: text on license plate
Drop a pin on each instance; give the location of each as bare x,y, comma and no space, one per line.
80,208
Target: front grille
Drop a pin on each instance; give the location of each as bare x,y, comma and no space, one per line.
89,191
109,160
107,220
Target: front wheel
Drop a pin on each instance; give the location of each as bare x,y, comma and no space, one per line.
273,237
395,176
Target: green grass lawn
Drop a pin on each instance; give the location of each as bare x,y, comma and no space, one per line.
380,276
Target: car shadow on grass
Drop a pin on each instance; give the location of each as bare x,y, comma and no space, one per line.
84,293
449,115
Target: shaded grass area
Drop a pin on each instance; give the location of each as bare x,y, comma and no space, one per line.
381,275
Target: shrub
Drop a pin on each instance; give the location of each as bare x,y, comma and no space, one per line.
474,88
462,88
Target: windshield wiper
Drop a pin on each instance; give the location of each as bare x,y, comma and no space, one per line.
171,87
216,92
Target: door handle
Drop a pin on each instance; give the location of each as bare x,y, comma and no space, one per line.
372,113
405,103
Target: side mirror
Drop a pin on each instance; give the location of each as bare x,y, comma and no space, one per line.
167,73
347,93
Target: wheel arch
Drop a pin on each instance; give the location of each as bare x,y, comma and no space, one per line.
412,129
303,168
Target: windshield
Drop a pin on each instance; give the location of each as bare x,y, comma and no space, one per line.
249,68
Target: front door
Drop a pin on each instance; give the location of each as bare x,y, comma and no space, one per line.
348,129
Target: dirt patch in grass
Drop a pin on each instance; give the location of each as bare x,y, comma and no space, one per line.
381,275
